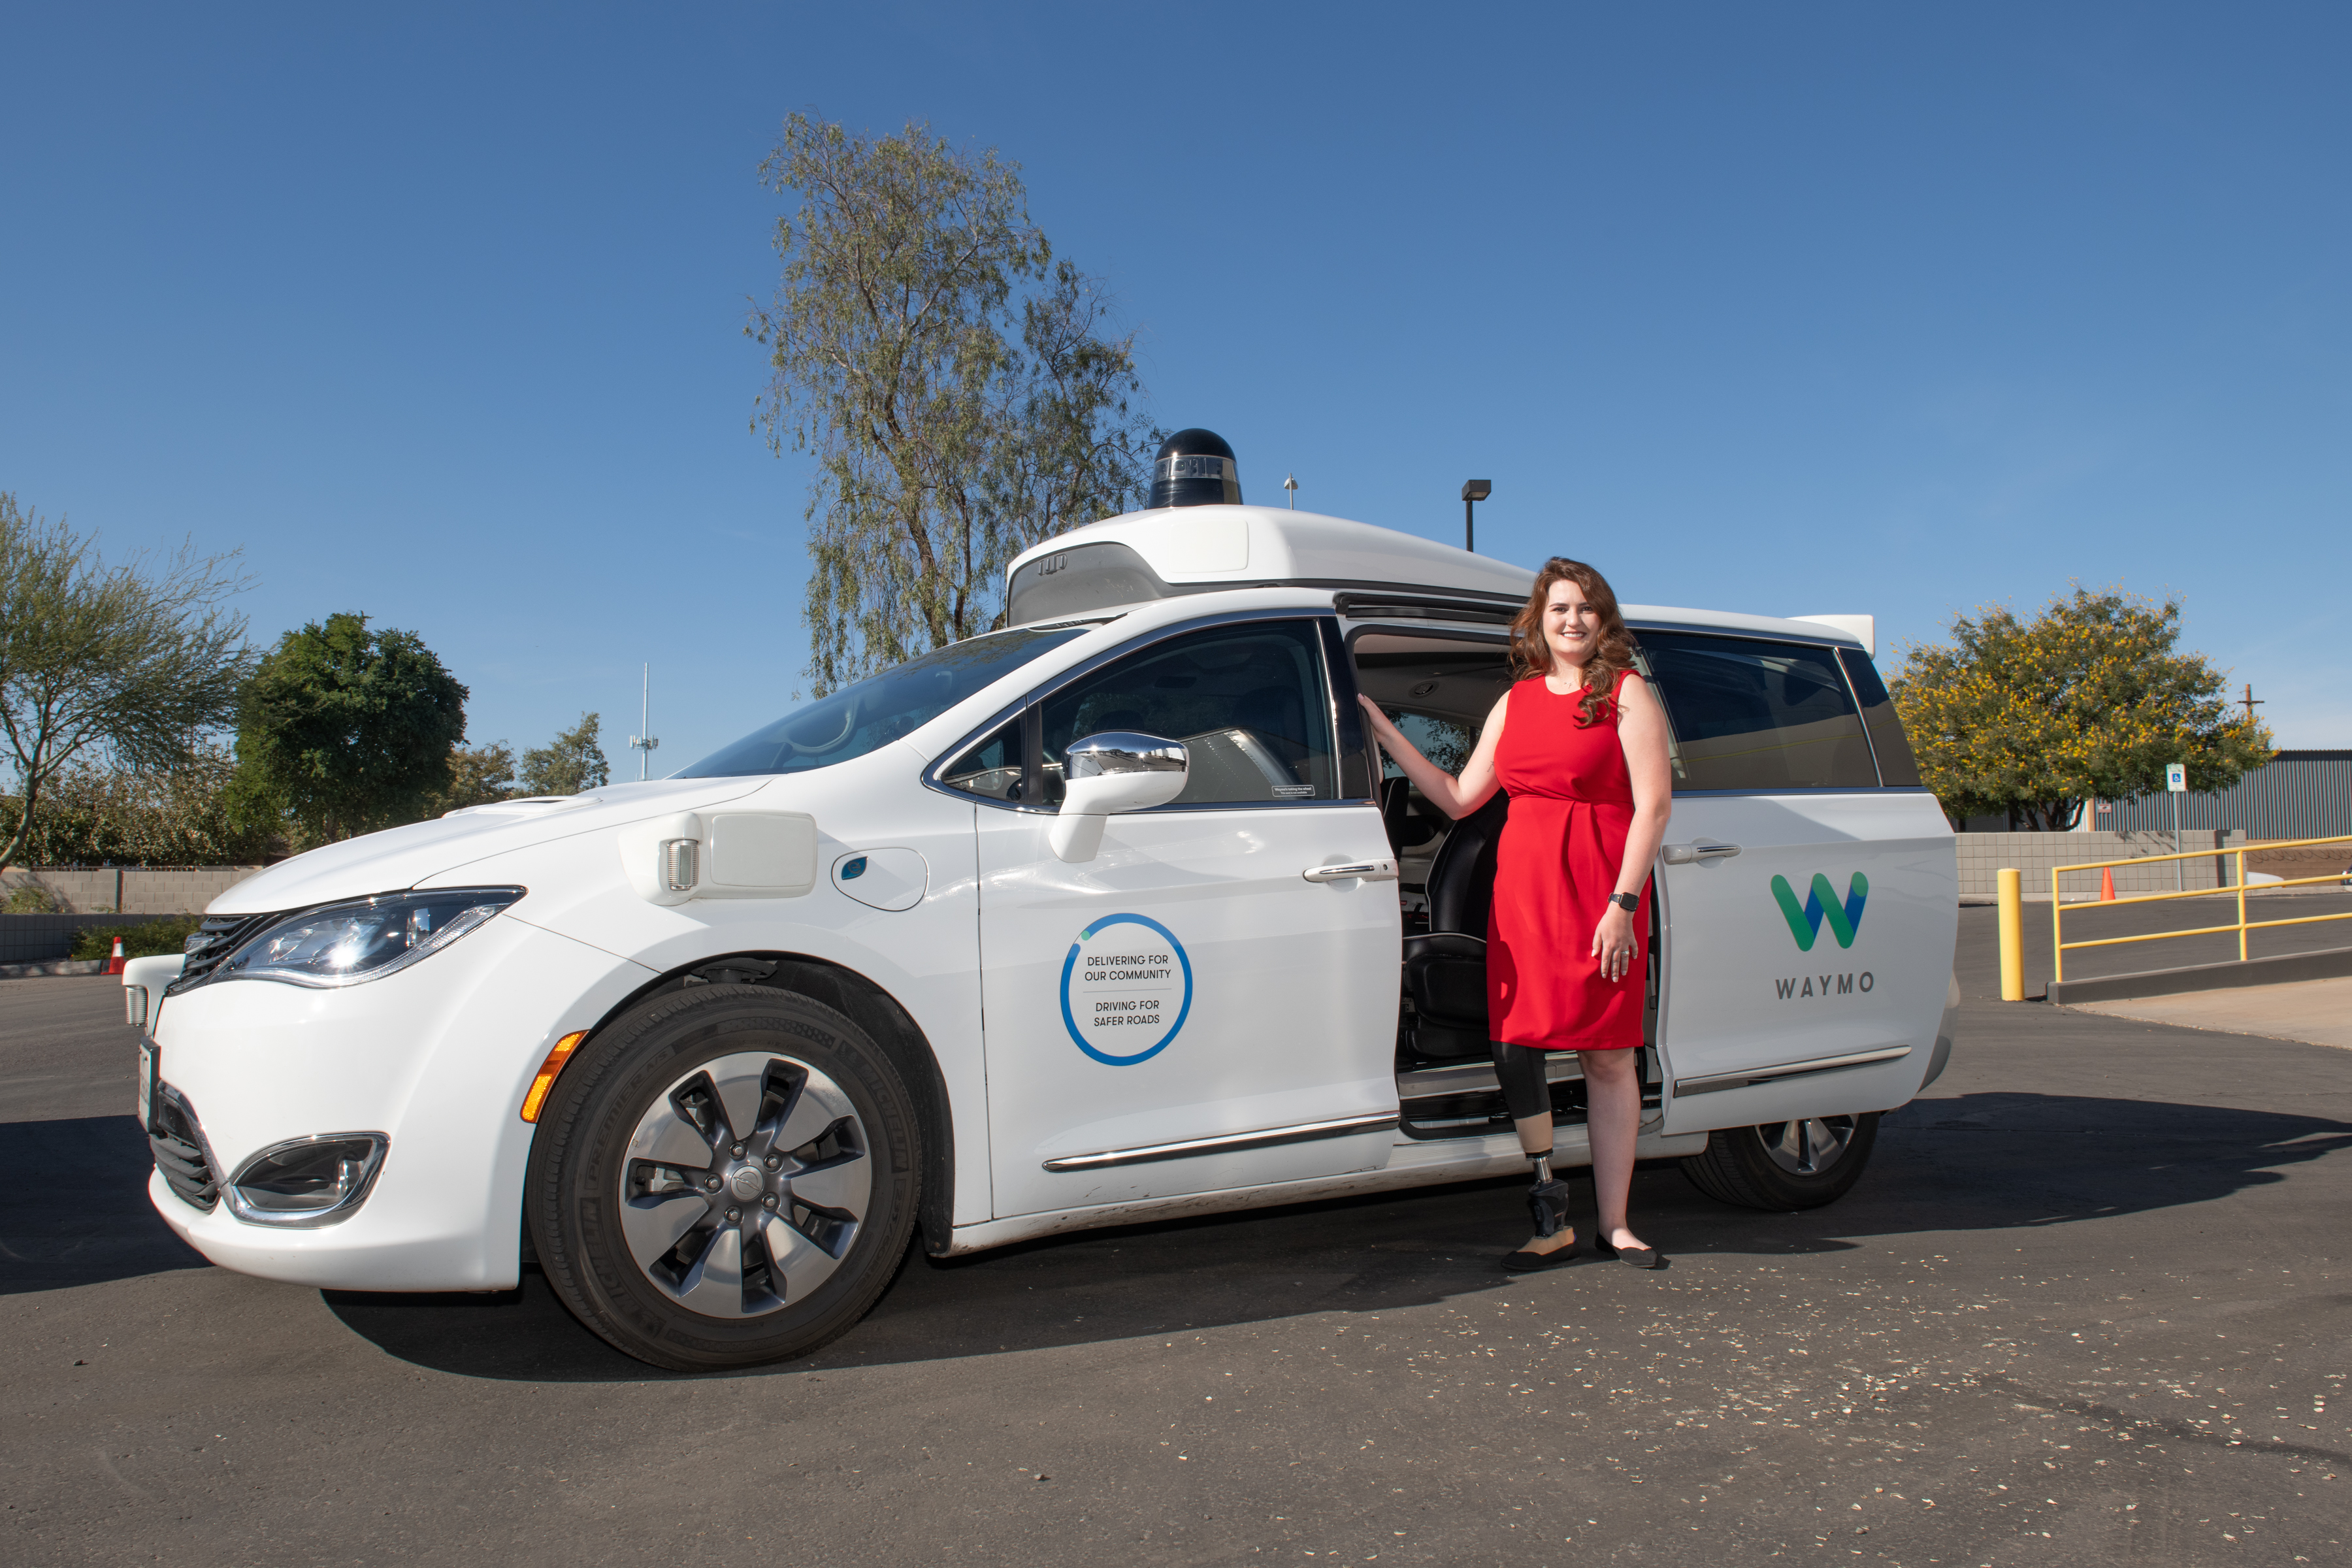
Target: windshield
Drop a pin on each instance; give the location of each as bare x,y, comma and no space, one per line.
879,710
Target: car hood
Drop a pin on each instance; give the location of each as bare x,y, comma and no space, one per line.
400,858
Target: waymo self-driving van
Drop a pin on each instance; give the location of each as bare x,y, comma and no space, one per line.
1112,914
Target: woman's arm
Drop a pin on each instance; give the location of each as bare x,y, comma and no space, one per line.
1642,732
1457,797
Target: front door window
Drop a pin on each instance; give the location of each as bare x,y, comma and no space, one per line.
1248,701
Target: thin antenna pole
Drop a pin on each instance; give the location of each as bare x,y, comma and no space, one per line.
644,744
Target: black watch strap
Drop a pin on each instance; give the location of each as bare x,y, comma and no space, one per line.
1626,901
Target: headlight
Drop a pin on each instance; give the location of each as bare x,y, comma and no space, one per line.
346,945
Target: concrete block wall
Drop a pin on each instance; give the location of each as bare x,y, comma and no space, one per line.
142,889
1981,855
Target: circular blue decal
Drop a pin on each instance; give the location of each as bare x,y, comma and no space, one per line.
1121,996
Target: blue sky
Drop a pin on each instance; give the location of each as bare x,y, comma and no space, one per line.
437,311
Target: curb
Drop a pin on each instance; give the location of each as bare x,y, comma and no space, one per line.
2325,964
54,966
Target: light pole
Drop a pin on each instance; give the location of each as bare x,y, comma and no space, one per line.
1290,483
1473,492
644,744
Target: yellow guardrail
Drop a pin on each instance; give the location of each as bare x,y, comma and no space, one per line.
2242,925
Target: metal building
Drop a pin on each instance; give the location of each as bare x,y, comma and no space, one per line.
2301,795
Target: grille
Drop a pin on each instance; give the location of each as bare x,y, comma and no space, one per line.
179,1146
219,936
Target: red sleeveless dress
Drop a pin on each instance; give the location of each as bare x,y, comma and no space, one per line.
1563,843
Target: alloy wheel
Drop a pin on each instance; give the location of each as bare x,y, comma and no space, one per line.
1808,1147
744,1186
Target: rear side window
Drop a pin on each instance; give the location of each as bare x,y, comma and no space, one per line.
1755,715
1898,768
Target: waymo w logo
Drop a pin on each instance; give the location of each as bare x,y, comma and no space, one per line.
1821,904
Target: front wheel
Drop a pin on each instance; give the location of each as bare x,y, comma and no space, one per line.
727,1179
1784,1165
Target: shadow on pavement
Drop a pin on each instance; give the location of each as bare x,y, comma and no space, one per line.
1981,1162
74,1208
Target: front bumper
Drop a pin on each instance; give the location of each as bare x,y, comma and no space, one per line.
439,1056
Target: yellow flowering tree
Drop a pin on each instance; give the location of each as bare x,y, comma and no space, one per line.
2088,700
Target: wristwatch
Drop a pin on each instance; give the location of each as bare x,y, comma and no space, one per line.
1626,901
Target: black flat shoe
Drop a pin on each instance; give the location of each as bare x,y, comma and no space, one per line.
1526,1262
1633,1256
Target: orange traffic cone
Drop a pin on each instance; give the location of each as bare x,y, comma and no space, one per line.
2107,885
115,965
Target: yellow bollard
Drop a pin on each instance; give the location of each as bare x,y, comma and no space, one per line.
2012,936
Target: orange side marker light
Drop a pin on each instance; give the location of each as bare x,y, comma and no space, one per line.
547,1072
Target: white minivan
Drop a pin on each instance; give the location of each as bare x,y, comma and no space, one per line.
1111,915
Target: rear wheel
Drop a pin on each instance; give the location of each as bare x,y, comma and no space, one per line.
1784,1165
728,1178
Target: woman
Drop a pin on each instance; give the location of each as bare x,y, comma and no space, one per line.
1580,742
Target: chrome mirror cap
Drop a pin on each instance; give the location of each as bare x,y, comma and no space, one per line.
1124,751
1111,773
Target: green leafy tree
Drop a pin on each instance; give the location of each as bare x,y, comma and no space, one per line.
130,662
479,776
344,730
573,763
957,386
2088,700
173,817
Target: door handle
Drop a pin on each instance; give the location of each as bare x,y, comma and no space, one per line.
1689,854
1363,870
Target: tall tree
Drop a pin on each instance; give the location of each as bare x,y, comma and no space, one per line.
960,389
480,775
573,763
343,729
131,661
2088,700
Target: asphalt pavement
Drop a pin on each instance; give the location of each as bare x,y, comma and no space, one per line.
2089,1306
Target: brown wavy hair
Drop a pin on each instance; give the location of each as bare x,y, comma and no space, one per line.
1613,653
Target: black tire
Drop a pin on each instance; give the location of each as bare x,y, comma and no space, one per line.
1739,1165
589,1197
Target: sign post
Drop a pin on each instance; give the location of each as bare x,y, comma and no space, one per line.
2176,783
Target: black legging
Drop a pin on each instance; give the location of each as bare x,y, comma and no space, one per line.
1520,1070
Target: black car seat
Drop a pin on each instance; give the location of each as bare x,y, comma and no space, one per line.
1446,971
1406,827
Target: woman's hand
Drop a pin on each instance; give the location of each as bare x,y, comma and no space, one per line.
1386,735
1455,796
1613,942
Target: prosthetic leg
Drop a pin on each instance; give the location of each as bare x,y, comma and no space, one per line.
1528,1097
1548,1199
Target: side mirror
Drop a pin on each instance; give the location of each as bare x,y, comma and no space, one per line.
1110,772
